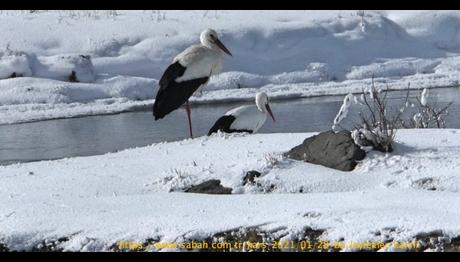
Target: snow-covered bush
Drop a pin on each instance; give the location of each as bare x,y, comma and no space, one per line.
85,14
378,122
377,127
363,23
428,115
343,112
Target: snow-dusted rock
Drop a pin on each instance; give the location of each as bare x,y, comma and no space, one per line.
250,176
212,186
334,150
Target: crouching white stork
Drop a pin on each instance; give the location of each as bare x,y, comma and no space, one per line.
189,71
245,118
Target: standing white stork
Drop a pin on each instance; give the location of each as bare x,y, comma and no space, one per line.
245,118
190,70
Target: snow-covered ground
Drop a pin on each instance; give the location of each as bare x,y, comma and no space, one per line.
136,195
90,203
285,53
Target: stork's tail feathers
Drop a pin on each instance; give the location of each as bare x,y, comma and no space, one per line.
174,95
157,113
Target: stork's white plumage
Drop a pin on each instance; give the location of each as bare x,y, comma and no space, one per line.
245,118
190,70
201,60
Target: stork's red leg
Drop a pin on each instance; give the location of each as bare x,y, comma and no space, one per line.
189,116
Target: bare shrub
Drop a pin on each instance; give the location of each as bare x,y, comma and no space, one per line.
378,125
428,115
378,122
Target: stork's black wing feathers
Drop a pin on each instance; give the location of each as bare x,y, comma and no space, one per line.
224,124
171,94
173,71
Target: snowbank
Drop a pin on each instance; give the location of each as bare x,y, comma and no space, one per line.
136,195
73,68
70,68
30,99
287,54
14,64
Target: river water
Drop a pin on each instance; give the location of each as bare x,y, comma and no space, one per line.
95,135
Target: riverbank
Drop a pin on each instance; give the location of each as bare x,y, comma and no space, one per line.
93,203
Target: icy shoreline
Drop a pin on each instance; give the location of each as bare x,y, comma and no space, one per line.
33,111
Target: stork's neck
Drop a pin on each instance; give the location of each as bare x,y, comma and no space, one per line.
261,107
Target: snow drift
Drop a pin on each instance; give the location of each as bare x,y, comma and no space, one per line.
287,54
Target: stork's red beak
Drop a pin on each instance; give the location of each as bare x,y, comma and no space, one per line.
267,106
221,46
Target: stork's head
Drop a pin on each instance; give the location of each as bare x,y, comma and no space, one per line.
263,105
209,38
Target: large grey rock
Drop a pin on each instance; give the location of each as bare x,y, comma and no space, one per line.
212,186
334,150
